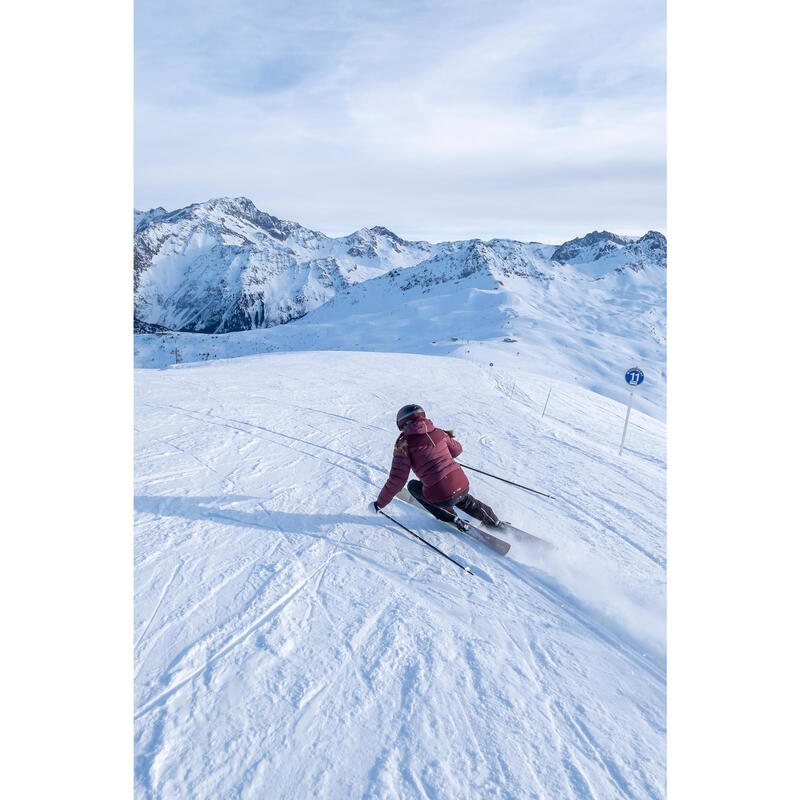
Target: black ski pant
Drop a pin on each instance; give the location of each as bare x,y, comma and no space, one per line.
465,501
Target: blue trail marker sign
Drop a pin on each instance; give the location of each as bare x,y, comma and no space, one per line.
633,377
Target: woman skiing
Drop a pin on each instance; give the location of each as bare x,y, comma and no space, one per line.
430,451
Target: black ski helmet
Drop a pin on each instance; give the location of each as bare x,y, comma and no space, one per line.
408,411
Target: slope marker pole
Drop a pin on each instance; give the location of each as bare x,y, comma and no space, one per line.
546,401
625,429
633,377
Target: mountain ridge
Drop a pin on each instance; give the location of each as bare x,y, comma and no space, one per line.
224,266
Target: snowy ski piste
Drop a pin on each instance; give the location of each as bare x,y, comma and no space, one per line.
290,643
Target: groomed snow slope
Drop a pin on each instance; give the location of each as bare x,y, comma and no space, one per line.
288,644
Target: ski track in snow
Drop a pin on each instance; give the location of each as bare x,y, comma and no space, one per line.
291,644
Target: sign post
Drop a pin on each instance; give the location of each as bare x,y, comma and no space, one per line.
633,377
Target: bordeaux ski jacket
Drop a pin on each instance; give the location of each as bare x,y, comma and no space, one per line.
429,451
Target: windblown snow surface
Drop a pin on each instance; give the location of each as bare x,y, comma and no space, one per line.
290,644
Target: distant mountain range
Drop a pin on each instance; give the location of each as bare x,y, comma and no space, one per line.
583,311
224,266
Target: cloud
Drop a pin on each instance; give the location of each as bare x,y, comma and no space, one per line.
502,118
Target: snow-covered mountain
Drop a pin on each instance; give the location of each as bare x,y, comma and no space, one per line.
586,319
584,311
603,249
225,266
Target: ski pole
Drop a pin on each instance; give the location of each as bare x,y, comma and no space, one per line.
498,478
425,541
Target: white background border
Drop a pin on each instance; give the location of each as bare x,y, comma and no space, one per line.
67,583
732,402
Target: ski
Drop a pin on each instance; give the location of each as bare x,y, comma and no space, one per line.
523,536
472,531
484,537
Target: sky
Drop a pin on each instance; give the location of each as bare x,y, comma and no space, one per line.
526,119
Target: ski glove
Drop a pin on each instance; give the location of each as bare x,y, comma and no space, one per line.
375,507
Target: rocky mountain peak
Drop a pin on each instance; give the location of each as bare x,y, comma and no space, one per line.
600,242
379,230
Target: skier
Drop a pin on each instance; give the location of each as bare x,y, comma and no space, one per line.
429,451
